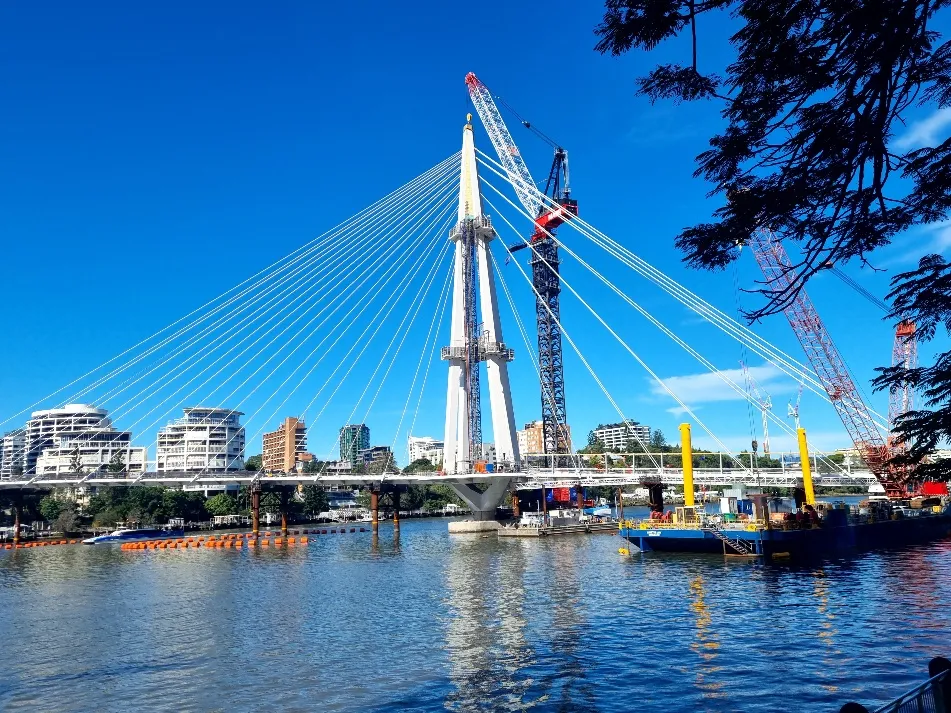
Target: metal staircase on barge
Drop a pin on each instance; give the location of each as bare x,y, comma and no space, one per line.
730,542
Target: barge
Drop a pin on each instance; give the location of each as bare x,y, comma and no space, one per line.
561,522
825,530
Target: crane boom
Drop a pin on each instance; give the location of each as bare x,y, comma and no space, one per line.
826,360
545,278
509,156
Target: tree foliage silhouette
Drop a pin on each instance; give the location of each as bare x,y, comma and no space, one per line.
812,101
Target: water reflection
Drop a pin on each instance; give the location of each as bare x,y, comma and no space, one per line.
485,628
706,643
825,630
430,622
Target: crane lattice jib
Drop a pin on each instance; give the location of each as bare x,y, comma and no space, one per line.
905,355
505,147
825,358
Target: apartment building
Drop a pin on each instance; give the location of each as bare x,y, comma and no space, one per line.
285,447
204,439
425,448
618,435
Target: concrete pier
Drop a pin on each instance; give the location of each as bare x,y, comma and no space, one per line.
375,510
473,526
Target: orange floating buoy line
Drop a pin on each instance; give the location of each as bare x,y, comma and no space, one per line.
36,543
229,541
234,542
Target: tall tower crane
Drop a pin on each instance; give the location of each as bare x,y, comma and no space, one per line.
544,262
826,361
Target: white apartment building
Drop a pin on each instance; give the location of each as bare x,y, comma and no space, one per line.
12,449
205,439
46,428
94,451
421,447
618,435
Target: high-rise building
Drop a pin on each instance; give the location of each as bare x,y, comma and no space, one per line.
45,428
205,439
619,435
93,451
377,454
285,447
425,448
12,450
354,437
531,439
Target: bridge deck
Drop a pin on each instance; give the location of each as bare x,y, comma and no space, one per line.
524,480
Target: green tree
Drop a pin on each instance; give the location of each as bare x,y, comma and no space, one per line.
67,521
413,498
595,444
188,506
271,502
387,464
315,500
117,464
76,461
811,105
221,504
420,465
50,508
254,463
658,441
363,498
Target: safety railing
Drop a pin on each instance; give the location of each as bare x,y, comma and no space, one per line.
932,696
729,527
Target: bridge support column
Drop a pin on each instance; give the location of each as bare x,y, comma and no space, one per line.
483,504
396,509
620,505
655,497
255,510
544,506
375,511
515,505
579,497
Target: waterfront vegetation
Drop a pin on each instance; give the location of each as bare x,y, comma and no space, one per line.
148,505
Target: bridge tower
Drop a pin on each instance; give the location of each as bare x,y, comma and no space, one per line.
473,341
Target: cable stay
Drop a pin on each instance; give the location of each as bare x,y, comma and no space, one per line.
693,352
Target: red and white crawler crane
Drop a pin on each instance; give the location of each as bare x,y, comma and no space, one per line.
829,365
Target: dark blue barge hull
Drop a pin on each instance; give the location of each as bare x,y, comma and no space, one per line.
815,542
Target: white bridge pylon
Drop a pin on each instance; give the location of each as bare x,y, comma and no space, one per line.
472,343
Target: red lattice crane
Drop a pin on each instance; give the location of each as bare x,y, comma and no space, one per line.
826,361
904,354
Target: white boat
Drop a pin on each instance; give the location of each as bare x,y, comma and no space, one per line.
128,534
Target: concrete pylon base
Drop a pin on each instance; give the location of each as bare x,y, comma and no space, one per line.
466,527
482,505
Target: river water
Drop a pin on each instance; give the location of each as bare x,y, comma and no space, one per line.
432,622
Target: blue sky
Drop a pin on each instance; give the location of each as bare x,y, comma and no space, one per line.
157,155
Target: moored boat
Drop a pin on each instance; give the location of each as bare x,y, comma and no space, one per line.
129,534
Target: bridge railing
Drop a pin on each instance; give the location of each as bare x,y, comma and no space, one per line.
932,696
